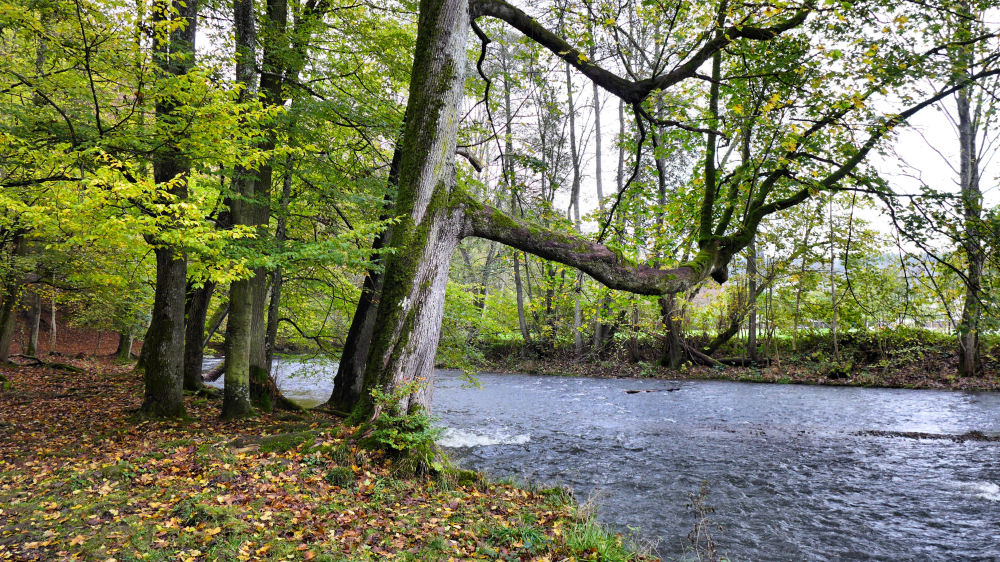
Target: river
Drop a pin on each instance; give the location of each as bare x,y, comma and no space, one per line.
790,470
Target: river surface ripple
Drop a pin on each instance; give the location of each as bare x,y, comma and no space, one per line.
788,472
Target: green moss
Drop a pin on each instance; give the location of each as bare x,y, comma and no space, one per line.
285,442
504,221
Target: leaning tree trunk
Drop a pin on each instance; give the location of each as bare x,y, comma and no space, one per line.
436,215
408,323
348,382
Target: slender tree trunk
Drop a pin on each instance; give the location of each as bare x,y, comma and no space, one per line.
52,321
752,294
196,308
277,278
972,201
509,181
833,287
575,206
214,323
34,323
800,285
599,327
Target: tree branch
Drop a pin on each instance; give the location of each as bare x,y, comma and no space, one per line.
628,90
597,260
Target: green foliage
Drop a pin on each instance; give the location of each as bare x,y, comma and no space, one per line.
409,436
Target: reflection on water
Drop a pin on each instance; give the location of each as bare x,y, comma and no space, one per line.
788,474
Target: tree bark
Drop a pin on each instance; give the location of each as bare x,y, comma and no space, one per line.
972,202
833,287
164,341
196,310
277,277
52,320
236,393
801,283
752,294
163,345
412,302
34,323
8,308
124,351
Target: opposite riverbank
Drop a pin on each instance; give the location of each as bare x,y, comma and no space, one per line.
899,359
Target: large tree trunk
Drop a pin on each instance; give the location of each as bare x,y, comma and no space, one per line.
196,309
163,345
408,323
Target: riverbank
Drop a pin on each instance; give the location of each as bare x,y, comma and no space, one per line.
80,478
928,371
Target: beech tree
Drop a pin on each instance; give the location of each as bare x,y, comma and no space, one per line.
821,152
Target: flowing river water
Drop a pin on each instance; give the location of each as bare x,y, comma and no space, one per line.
792,472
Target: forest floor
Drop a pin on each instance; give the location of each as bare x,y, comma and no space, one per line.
81,477
925,369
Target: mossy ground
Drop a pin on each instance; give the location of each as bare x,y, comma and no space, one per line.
80,478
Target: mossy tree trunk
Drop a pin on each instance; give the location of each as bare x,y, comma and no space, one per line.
124,351
436,215
163,345
408,322
34,323
236,390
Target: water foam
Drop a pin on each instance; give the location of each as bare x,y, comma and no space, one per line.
985,490
466,438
